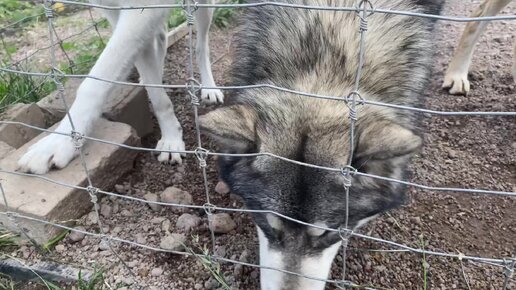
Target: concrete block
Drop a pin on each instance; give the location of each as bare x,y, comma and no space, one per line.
17,135
132,108
39,198
125,104
5,149
53,102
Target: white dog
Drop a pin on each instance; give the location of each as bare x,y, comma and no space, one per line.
139,39
456,78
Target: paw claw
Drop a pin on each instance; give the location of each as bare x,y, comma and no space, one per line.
51,151
457,84
171,145
212,96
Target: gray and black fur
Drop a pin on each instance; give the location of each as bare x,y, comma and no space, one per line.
317,52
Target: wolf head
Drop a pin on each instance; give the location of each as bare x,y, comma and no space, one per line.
315,132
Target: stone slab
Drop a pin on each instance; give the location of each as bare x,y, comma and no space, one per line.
16,135
5,149
52,202
125,104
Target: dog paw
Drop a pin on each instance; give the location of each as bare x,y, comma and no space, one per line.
171,145
457,84
212,96
52,151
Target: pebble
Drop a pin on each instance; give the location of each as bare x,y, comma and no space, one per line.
75,237
116,230
222,188
452,153
132,264
106,210
177,196
120,188
157,220
198,286
60,248
156,272
126,213
222,223
92,218
116,207
140,239
165,225
188,222
173,242
103,245
152,197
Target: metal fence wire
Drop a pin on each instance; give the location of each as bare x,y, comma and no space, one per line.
192,87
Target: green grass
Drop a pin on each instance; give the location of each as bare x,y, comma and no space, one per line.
7,240
424,263
208,263
17,88
12,11
221,17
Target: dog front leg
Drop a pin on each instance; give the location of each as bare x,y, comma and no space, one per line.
456,77
203,17
132,32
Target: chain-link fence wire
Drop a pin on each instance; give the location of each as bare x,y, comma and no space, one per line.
363,10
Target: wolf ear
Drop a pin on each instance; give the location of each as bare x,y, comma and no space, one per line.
385,140
231,127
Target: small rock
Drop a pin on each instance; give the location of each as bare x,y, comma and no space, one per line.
120,188
198,286
106,210
220,251
116,230
238,271
60,248
244,257
176,196
222,188
133,264
140,239
255,274
222,223
75,237
104,245
156,272
92,218
173,242
116,207
452,153
187,222
154,198
127,280
126,213
157,220
165,225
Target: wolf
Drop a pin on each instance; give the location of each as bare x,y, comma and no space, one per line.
456,77
317,52
139,39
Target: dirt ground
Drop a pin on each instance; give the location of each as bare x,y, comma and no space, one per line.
469,152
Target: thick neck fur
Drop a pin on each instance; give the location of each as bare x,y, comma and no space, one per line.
314,51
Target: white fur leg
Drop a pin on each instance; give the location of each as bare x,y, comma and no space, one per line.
150,66
133,30
456,77
203,19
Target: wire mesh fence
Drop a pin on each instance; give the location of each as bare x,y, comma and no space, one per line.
192,87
